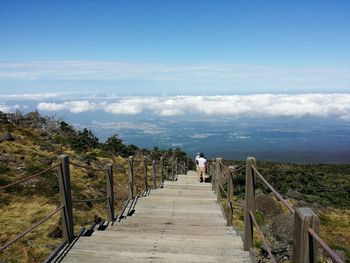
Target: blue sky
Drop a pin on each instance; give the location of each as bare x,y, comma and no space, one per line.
177,47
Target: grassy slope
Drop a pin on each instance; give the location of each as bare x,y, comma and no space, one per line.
23,206
327,185
324,187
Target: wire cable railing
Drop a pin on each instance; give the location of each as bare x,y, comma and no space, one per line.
334,256
278,195
30,229
87,167
66,207
305,218
29,177
263,238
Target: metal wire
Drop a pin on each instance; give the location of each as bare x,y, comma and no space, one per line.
290,208
30,229
87,167
325,247
28,178
240,205
238,169
120,169
222,189
267,247
90,200
223,165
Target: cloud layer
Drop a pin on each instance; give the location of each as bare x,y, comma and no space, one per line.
260,105
169,76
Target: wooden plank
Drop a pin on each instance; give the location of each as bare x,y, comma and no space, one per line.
180,223
126,256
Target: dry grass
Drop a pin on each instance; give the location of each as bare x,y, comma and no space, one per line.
16,217
335,229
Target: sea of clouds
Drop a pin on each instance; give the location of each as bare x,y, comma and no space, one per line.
336,105
259,105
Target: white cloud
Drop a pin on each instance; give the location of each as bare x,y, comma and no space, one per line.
147,128
51,106
4,108
259,105
201,135
72,106
239,136
216,75
12,108
29,96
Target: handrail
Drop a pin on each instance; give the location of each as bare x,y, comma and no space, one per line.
222,188
234,170
266,245
89,200
30,229
290,208
87,167
304,217
223,165
325,247
238,169
30,177
118,167
66,195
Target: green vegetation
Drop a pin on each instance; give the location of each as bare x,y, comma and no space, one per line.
323,187
38,143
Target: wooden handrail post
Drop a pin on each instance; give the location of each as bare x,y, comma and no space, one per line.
213,170
110,192
167,172
176,171
229,195
173,170
161,169
154,174
145,181
187,165
304,249
66,198
131,177
249,203
217,179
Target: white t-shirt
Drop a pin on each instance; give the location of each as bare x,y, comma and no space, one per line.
197,157
201,161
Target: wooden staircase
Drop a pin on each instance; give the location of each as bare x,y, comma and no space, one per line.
180,223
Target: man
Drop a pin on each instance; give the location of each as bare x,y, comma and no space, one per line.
202,164
195,160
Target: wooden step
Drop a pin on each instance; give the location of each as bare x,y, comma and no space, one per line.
181,222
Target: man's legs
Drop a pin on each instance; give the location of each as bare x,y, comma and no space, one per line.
201,174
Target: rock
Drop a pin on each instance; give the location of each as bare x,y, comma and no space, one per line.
7,158
55,233
268,206
341,254
282,228
85,159
46,160
21,169
46,147
7,137
317,208
296,195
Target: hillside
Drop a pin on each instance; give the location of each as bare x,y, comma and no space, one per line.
323,187
31,143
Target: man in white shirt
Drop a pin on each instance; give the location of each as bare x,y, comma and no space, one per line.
195,160
202,164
